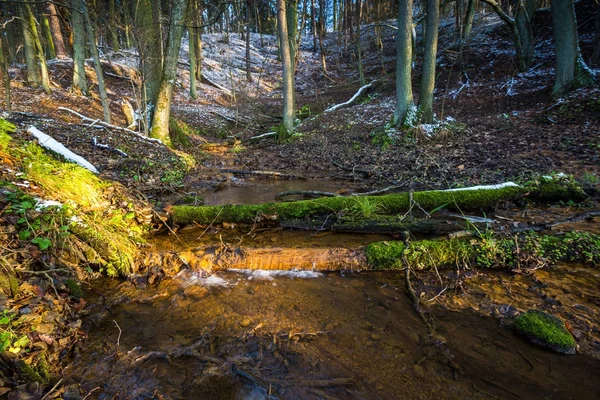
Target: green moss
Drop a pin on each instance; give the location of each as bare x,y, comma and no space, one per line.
74,288
527,250
546,330
28,373
389,204
557,188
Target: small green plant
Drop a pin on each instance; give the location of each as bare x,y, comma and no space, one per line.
237,148
363,207
9,338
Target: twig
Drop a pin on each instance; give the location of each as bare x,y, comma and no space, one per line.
165,224
261,173
120,332
52,390
264,135
90,392
211,223
43,273
305,193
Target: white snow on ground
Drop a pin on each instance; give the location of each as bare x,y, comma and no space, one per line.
485,187
49,143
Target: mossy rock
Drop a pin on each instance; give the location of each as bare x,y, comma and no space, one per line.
546,330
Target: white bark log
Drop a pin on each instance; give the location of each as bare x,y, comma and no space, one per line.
51,144
351,101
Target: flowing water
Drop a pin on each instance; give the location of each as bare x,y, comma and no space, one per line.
259,335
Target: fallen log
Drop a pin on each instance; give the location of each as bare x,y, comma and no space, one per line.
478,197
352,100
50,143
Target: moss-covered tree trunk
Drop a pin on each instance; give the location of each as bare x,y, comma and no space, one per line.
404,97
149,43
469,17
79,84
429,59
523,22
34,78
114,23
39,49
288,71
160,120
571,70
5,75
48,40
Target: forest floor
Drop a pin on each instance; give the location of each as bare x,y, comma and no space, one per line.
497,125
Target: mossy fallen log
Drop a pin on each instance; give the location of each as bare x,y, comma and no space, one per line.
523,251
478,197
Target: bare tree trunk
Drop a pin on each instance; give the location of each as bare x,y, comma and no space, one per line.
114,34
361,72
79,84
38,48
59,43
5,76
160,121
469,19
248,64
313,15
97,66
428,77
404,98
33,73
596,55
571,70
45,25
288,71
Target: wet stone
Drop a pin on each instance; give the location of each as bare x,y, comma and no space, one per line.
245,322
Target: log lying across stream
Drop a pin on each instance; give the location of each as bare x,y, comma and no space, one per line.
478,197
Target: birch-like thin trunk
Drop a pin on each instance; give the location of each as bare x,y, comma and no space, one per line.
79,84
97,65
288,70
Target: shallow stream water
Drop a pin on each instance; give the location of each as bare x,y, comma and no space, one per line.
258,335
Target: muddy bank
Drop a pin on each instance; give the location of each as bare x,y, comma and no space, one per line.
241,335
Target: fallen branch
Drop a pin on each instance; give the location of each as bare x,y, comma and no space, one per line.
317,383
264,135
51,144
110,126
261,173
352,99
216,85
96,143
305,193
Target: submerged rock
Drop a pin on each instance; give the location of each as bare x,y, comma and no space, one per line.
546,330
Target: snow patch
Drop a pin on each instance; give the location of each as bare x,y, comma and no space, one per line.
41,204
485,187
51,144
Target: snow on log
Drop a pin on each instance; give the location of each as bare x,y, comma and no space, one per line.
352,100
51,144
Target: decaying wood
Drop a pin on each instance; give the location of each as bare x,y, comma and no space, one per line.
273,174
216,85
352,100
310,259
110,126
127,109
547,226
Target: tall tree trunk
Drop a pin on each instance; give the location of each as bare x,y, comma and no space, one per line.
288,71
160,121
313,17
97,66
79,85
571,70
428,77
291,14
148,42
404,97
469,19
596,55
5,75
192,52
248,65
33,73
114,23
361,71
523,20
39,49
50,50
